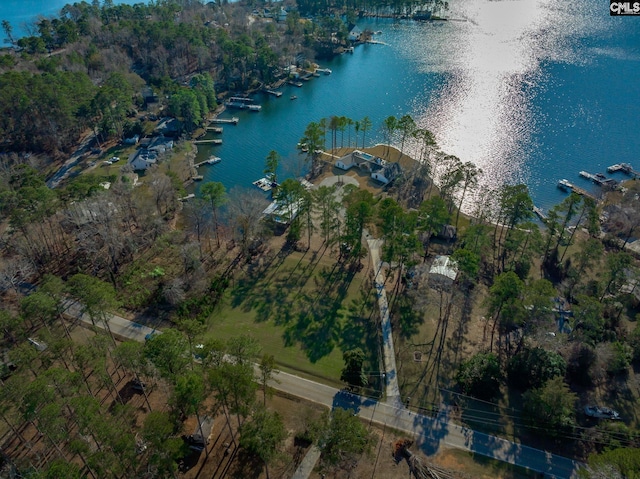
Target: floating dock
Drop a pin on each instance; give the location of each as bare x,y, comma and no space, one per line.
564,184
215,141
242,106
265,184
211,161
599,179
624,168
222,121
214,129
242,103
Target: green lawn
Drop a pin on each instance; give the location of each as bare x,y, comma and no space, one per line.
304,309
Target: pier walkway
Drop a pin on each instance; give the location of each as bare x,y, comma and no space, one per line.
231,121
565,185
598,178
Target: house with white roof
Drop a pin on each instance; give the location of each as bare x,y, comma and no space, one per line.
443,269
380,170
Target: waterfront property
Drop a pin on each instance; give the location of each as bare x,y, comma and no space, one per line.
282,213
380,170
265,184
146,157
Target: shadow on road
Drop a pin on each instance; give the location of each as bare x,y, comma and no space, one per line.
351,402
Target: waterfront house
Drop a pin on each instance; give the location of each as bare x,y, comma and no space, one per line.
379,169
160,144
354,34
147,156
169,127
386,173
143,159
281,213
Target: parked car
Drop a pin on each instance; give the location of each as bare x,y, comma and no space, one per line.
138,385
200,437
39,345
600,412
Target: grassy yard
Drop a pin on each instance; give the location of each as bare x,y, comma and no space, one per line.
305,309
431,344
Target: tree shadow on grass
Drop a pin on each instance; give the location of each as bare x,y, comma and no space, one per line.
408,319
316,330
257,270
317,323
246,465
361,329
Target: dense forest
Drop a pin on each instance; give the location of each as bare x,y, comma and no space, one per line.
541,318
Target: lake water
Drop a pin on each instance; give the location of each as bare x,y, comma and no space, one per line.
530,90
22,13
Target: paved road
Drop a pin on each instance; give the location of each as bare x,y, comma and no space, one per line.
431,433
120,327
307,464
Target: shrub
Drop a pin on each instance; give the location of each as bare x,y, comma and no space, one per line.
551,408
531,368
480,376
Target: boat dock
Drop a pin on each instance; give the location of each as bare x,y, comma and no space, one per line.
265,184
243,106
275,93
564,184
624,168
211,161
215,141
214,129
326,71
231,121
295,83
598,179
539,213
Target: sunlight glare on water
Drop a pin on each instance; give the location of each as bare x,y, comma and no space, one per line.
482,113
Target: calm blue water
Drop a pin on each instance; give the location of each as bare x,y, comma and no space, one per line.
530,90
22,13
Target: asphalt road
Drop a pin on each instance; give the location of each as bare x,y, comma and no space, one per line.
430,433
